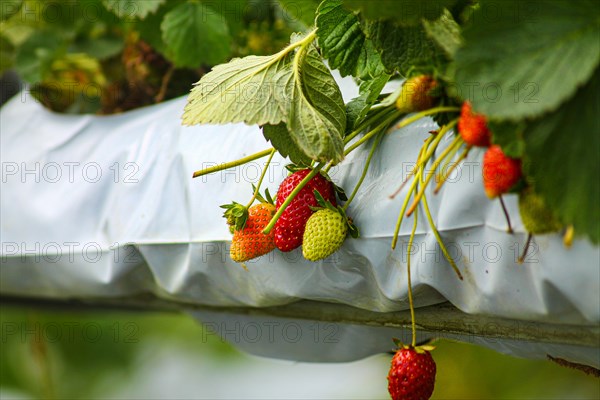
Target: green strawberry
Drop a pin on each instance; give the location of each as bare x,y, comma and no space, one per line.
535,214
325,231
324,234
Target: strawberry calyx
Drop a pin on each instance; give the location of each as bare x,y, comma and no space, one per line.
236,214
421,348
267,198
324,204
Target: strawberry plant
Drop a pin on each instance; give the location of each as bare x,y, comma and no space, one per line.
441,50
521,80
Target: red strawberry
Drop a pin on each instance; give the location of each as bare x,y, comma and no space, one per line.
289,228
249,242
473,127
412,374
500,172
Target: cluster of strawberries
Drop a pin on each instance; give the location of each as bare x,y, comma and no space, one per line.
500,172
306,213
412,371
310,220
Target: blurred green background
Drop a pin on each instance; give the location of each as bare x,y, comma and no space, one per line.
83,354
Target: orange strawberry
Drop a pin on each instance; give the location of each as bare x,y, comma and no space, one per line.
473,127
417,94
249,242
500,172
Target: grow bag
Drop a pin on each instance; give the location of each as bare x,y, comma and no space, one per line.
103,210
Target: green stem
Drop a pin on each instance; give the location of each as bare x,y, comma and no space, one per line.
260,180
382,126
310,37
442,175
364,172
411,189
436,233
401,124
365,124
291,197
440,135
464,155
425,113
233,164
420,162
436,163
410,294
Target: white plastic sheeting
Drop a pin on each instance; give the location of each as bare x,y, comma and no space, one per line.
105,206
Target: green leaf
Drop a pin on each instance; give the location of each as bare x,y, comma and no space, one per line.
243,90
509,136
303,10
297,89
235,13
147,27
281,139
563,159
402,12
195,34
129,9
35,55
402,48
445,32
316,118
343,42
100,48
8,54
519,65
357,108
9,8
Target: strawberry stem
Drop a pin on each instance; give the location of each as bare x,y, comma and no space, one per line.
411,189
365,169
381,127
405,122
444,176
420,163
435,165
386,111
510,229
260,180
423,114
291,197
436,233
527,244
410,294
233,164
